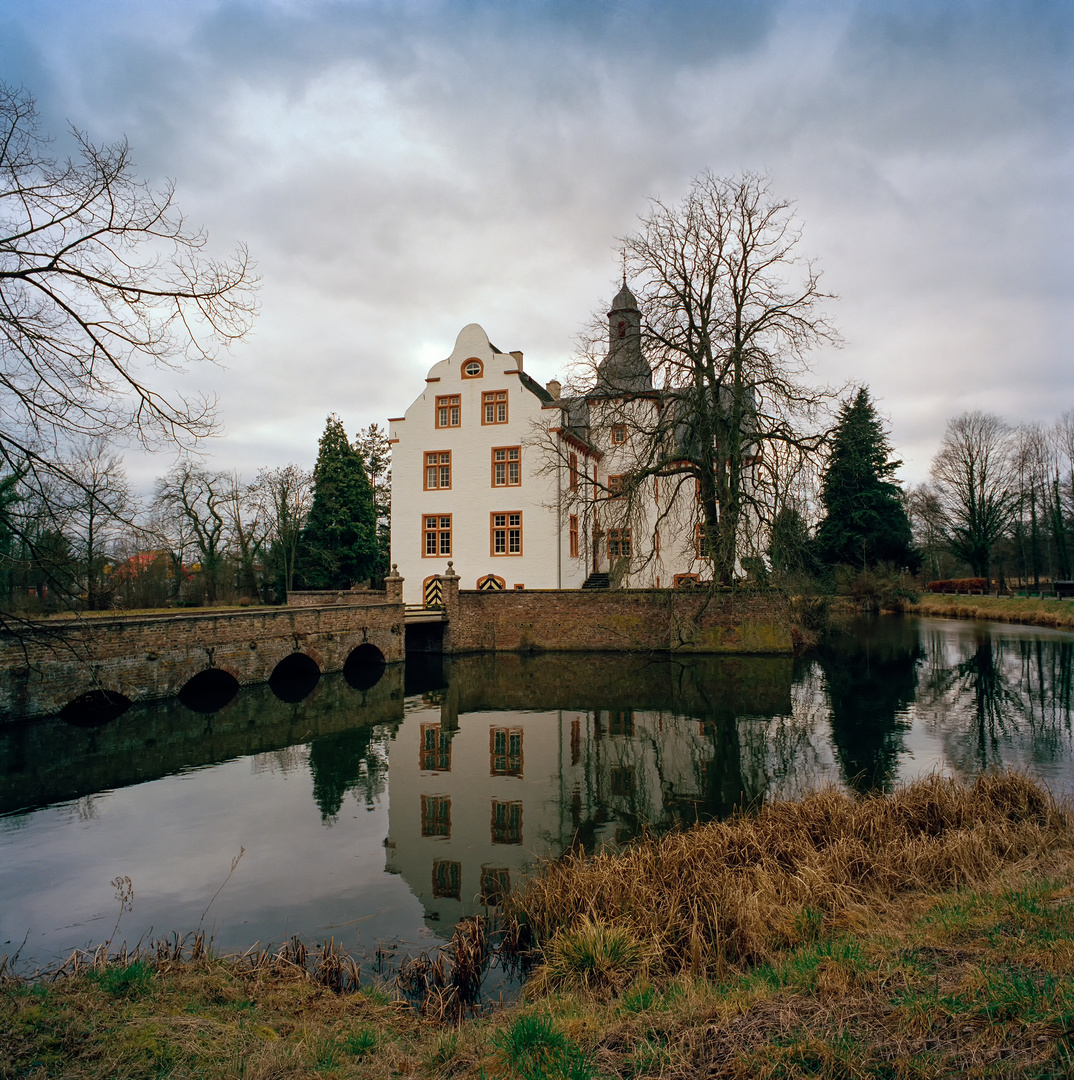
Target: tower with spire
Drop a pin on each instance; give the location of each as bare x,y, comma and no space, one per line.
624,370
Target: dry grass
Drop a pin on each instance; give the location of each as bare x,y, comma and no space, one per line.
727,894
1056,614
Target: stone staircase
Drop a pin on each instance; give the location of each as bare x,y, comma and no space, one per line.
597,581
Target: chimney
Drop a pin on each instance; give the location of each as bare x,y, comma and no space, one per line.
554,386
518,358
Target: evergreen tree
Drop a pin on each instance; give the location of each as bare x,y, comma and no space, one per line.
372,443
339,542
866,521
790,547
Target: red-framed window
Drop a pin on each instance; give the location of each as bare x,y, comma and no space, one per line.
505,751
506,466
447,879
619,543
573,533
494,407
506,533
437,470
435,753
436,815
506,822
448,411
616,486
437,535
573,471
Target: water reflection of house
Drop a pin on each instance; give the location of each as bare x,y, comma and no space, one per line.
474,799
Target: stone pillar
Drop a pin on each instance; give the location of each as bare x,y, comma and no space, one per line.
393,586
450,585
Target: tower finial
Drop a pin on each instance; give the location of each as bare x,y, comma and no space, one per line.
622,256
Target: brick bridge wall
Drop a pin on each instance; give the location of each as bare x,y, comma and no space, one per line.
152,657
618,620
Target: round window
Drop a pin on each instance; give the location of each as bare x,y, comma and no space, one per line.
472,368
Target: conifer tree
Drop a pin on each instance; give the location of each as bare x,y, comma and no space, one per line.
339,542
866,522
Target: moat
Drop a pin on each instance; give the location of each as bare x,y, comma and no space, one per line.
380,809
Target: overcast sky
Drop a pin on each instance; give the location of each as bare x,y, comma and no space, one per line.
400,168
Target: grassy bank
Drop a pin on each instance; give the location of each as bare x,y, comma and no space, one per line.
924,934
1057,614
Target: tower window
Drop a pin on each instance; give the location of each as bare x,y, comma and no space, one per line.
622,328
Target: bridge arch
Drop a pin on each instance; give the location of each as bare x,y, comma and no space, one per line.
364,666
294,677
95,708
209,690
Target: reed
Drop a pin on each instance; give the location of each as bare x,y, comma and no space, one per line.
730,894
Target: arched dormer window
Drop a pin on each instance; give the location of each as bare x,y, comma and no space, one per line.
472,368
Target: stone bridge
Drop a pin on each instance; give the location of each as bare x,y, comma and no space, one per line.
202,657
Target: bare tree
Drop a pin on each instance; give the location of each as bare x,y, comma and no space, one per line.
246,530
285,495
925,511
195,499
977,486
730,311
102,284
93,506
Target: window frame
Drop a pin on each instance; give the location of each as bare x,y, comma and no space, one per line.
495,400
507,528
617,485
619,435
445,403
618,536
573,536
507,463
435,758
508,831
475,375
434,823
447,879
506,763
438,531
439,466
572,464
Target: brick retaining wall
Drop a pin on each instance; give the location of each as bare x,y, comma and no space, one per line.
627,620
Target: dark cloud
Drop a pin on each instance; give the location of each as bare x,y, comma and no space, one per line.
401,168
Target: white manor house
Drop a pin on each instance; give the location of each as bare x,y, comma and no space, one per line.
520,487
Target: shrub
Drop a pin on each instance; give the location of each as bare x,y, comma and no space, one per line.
959,585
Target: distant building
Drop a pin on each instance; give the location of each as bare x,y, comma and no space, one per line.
520,487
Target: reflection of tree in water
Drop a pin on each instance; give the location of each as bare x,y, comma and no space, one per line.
355,760
871,669
788,755
1004,701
